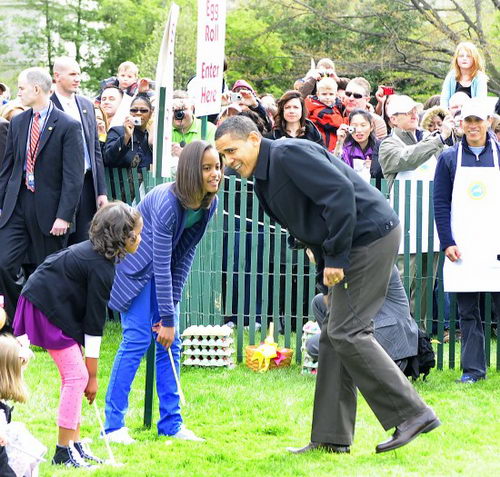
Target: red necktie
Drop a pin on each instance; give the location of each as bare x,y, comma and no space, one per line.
32,151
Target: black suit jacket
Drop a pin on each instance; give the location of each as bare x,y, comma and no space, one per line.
89,125
322,201
58,168
4,127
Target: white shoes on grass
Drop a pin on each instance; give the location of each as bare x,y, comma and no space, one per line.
122,436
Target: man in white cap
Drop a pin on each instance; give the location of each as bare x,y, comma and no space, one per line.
466,200
406,155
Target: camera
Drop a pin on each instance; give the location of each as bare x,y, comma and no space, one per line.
351,129
136,121
179,114
387,90
236,97
325,73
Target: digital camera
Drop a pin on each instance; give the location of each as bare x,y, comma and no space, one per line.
179,114
387,91
236,97
351,129
136,121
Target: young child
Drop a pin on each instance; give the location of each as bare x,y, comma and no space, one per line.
324,111
466,74
14,438
148,287
63,307
128,76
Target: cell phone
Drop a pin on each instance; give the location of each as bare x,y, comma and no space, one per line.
387,90
136,121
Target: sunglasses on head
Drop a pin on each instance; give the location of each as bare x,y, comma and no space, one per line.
356,95
139,110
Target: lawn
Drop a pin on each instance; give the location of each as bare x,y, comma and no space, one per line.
248,419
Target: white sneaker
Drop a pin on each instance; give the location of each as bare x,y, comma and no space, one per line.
187,435
120,436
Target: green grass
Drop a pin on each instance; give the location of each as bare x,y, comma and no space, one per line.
248,419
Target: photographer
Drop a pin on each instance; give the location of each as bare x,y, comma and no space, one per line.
324,69
185,127
358,146
129,145
243,94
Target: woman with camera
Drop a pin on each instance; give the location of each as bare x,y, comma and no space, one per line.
290,120
358,146
129,145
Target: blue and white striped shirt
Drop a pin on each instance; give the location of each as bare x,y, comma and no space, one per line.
166,252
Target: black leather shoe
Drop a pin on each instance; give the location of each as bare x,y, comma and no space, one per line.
424,422
322,446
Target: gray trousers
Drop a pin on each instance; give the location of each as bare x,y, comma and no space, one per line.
350,357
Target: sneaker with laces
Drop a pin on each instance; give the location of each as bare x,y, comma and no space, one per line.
83,449
120,436
187,435
69,457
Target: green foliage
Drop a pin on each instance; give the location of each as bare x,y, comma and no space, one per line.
256,54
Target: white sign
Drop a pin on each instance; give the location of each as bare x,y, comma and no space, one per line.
210,56
162,150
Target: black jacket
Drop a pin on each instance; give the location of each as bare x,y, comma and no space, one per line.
58,169
320,200
311,134
71,288
89,125
119,154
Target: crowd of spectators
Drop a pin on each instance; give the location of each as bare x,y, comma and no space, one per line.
384,135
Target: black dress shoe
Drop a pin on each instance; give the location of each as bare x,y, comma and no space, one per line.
322,446
424,422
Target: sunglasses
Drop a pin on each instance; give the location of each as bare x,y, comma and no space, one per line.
355,95
139,110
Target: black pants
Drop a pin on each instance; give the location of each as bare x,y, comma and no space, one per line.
85,212
473,355
16,236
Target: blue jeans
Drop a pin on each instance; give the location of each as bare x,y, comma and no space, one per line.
137,334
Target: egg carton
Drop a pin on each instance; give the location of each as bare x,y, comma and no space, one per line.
219,342
209,362
208,351
209,330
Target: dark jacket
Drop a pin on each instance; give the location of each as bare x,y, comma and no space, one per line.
5,469
71,288
320,200
58,169
311,134
136,153
89,125
4,128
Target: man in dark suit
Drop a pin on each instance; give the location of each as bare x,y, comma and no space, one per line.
40,181
67,80
4,127
354,235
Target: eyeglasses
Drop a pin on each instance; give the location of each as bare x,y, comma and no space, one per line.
139,110
355,95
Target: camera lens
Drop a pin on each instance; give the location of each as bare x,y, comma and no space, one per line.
179,114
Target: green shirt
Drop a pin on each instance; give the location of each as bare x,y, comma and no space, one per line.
192,217
194,133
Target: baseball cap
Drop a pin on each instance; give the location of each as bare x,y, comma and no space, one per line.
242,84
475,107
400,104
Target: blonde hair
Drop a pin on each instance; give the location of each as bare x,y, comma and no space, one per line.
326,63
129,66
327,83
477,59
12,385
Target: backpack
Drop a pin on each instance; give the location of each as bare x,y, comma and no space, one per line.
425,359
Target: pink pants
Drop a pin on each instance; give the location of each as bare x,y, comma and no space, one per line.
74,377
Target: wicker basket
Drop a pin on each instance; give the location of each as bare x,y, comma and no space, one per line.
254,364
